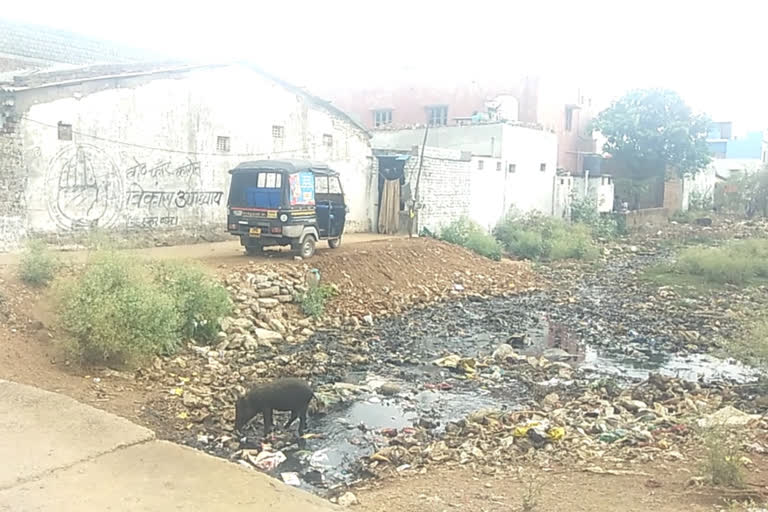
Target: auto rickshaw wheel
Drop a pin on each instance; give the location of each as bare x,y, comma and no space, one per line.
307,247
334,243
254,249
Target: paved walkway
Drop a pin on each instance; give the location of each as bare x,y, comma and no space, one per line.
60,455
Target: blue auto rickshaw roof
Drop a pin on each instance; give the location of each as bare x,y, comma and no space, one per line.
287,166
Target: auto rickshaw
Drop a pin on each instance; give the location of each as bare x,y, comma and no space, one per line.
285,202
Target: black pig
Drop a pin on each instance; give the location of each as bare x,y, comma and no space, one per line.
283,395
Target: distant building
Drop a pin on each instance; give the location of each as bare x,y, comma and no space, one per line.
480,171
732,155
724,144
421,99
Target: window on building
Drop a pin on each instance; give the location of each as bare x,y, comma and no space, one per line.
278,132
65,131
498,166
327,139
543,167
480,165
437,115
511,168
382,117
222,143
568,119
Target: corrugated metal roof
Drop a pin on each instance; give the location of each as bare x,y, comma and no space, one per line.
39,46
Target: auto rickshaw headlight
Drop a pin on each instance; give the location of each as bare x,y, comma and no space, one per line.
283,217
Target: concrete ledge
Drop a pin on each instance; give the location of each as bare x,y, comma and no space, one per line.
158,476
42,431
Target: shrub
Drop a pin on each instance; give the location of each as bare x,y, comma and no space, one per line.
538,237
471,235
700,201
116,312
721,464
737,263
584,211
200,301
37,264
744,193
312,302
484,245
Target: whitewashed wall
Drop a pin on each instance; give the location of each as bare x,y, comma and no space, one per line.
488,184
529,188
148,157
598,188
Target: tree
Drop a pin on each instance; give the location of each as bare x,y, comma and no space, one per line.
654,133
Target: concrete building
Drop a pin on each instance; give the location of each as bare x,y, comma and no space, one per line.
724,143
497,167
733,153
146,150
422,98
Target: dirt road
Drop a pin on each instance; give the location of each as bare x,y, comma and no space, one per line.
229,252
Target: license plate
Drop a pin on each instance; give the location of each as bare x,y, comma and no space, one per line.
254,232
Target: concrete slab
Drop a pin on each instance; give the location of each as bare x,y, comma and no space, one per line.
42,431
158,476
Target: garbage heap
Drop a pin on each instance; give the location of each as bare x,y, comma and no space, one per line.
600,430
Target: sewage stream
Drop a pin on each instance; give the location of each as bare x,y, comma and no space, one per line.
402,353
598,323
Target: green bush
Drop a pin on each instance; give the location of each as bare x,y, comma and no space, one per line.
312,302
744,193
200,301
458,231
737,263
484,245
584,211
538,237
721,464
122,310
37,264
116,312
471,235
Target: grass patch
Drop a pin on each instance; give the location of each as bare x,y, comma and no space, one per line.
313,301
537,237
721,465
752,346
124,311
471,235
37,266
739,263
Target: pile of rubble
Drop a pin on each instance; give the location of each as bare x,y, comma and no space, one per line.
655,420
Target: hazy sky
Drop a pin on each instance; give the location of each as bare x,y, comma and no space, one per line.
713,53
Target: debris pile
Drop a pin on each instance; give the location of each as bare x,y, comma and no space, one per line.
655,420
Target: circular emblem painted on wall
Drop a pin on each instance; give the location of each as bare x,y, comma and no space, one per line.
84,188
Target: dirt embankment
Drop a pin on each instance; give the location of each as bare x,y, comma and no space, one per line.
378,277
389,276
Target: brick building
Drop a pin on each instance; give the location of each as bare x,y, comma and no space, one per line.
421,98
